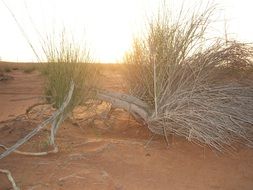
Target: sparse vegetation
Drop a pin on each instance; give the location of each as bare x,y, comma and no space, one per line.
7,69
29,69
176,82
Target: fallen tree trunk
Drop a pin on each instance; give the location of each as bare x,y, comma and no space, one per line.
139,109
129,103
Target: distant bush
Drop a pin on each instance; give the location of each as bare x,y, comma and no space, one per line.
29,69
7,69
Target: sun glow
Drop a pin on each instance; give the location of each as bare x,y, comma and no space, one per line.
107,27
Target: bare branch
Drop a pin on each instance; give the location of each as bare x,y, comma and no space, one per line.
9,176
55,150
42,125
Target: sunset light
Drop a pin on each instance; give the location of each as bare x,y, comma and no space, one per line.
126,94
106,27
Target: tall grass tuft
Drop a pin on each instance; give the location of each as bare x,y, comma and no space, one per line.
183,80
66,62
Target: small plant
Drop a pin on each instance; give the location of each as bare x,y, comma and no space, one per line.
67,62
15,68
44,144
7,69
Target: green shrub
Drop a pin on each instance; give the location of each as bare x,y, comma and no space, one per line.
67,62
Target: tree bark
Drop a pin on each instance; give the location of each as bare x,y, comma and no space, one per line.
129,103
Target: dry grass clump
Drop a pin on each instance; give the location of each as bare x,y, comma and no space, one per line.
7,69
29,69
187,86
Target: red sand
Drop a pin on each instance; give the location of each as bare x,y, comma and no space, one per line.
95,156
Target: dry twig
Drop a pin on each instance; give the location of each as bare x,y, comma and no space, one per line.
55,150
10,178
50,120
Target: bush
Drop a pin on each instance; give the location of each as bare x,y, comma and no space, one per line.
29,69
7,69
180,77
67,62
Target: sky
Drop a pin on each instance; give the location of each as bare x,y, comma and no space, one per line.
105,27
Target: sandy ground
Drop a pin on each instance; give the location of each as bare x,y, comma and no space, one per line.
19,93
109,154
